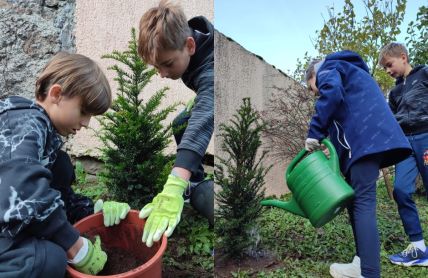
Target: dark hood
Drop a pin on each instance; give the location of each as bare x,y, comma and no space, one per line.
203,33
16,103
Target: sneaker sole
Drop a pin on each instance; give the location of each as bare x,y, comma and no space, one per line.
412,263
335,274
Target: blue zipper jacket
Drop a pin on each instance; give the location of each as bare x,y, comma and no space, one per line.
29,206
352,110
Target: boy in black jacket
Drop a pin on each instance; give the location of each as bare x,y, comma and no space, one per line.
409,103
36,238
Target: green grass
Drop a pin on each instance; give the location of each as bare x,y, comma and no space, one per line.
308,252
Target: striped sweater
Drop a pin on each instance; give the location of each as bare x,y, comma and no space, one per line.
199,77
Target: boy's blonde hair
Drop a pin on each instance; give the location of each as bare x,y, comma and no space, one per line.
162,28
78,76
392,49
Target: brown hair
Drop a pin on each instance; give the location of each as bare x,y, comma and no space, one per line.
78,76
392,49
310,71
162,28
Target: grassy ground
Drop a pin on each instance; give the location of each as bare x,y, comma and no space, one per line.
308,252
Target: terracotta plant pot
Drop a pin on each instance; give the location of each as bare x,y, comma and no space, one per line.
126,236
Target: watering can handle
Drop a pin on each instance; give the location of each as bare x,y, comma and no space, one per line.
333,160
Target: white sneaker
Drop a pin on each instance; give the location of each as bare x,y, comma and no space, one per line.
352,270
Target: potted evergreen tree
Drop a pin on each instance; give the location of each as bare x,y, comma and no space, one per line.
133,133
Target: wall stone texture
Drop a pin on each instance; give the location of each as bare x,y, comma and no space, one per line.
31,31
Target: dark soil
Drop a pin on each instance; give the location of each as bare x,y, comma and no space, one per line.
266,262
119,261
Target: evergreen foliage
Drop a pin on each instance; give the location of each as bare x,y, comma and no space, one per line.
241,177
133,134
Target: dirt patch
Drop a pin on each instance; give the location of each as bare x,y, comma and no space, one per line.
119,261
266,262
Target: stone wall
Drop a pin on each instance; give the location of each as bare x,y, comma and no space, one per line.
31,31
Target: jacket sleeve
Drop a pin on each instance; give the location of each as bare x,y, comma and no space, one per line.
28,203
331,97
392,104
199,130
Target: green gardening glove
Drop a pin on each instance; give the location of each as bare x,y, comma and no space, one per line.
113,211
164,211
94,260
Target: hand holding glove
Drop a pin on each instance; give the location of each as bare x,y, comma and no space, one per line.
164,212
312,144
113,211
91,258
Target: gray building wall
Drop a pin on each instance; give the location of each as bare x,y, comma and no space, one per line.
238,74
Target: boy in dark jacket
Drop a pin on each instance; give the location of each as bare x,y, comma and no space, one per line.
36,240
178,48
408,101
351,110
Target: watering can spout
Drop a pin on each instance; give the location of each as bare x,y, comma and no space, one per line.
290,206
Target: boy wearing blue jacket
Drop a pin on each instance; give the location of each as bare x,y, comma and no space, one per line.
408,101
352,111
36,238
178,48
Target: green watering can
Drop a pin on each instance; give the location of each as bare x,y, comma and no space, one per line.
319,191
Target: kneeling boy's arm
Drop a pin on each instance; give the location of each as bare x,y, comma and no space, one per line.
27,200
200,127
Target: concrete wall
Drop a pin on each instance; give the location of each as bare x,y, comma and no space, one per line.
103,26
239,74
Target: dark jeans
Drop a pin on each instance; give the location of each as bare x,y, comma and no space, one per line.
405,184
77,206
362,177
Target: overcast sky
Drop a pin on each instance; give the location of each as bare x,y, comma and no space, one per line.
280,31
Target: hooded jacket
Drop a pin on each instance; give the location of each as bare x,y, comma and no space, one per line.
352,110
409,101
28,148
199,77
